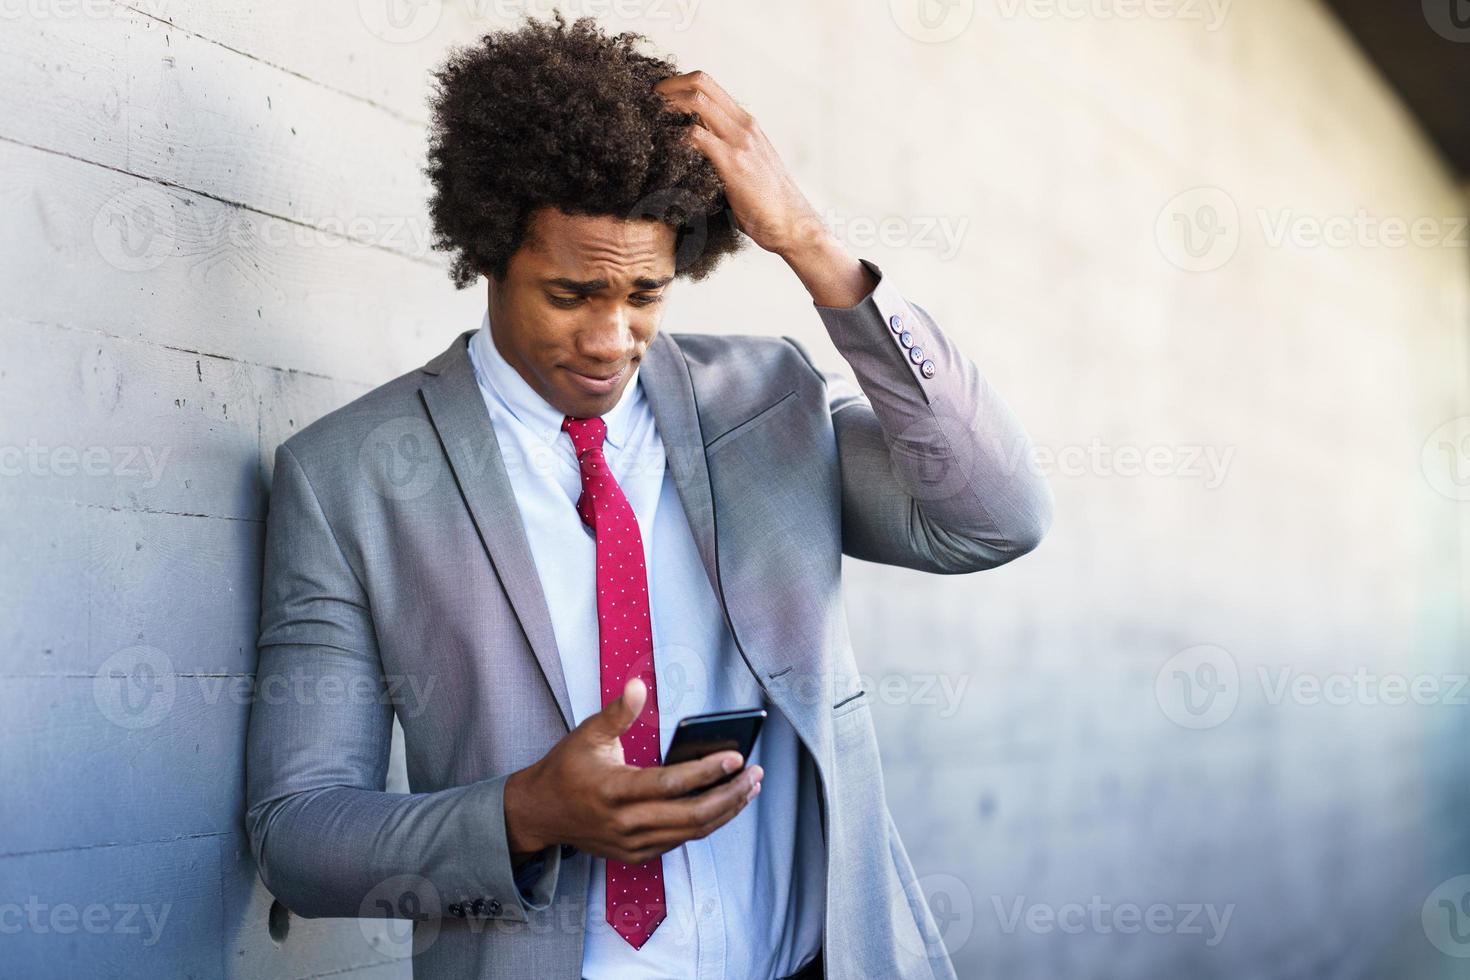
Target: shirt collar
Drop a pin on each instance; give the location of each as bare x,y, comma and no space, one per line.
497,376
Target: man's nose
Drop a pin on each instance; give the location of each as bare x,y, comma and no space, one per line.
610,340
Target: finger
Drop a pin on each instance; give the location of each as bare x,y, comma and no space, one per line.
664,824
703,81
618,714
651,843
672,782
717,111
687,814
709,115
714,149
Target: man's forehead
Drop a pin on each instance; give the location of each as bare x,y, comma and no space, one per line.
601,245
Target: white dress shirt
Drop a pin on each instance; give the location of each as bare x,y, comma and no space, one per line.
746,902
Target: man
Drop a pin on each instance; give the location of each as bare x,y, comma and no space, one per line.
569,530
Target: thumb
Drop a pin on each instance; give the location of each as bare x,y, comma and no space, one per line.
621,712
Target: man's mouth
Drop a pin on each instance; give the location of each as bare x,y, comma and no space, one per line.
597,384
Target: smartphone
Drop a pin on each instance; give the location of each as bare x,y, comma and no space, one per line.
700,735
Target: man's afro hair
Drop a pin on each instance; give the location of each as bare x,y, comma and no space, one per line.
552,115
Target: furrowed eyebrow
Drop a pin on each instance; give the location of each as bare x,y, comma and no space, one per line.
582,288
586,287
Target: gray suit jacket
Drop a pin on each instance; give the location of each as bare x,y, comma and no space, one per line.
398,579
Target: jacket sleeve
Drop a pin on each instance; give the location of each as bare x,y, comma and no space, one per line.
937,472
327,838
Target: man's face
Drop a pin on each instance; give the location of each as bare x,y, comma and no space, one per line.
582,300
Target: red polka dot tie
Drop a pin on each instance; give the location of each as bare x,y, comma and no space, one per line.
635,892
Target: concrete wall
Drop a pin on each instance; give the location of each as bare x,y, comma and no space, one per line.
213,233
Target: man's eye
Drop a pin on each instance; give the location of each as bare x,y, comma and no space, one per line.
645,299
566,301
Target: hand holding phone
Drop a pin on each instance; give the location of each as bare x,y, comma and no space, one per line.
700,735
582,793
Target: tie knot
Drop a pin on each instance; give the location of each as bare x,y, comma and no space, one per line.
586,433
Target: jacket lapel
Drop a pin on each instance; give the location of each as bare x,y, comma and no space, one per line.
670,392
458,412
